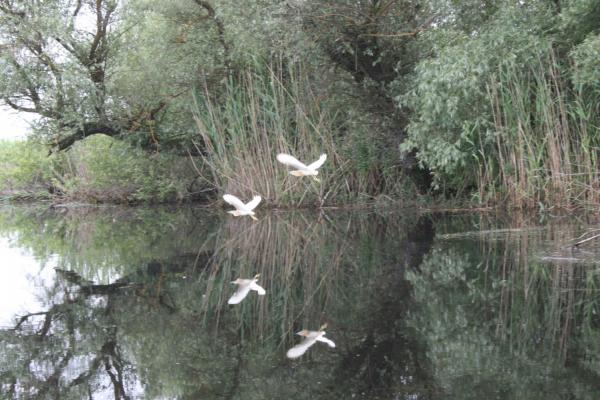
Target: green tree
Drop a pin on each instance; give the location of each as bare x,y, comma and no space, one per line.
89,67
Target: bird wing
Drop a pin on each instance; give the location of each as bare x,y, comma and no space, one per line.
325,340
234,201
251,205
319,162
300,348
255,286
240,294
291,161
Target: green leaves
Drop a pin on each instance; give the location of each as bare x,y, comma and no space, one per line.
455,124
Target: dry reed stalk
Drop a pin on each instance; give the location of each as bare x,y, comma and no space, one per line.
542,142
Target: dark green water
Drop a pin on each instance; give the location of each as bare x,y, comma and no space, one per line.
111,303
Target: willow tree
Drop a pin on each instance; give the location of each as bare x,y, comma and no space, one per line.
89,66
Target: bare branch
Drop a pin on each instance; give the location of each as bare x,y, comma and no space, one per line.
26,317
99,42
77,9
87,129
17,107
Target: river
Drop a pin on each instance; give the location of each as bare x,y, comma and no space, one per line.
132,303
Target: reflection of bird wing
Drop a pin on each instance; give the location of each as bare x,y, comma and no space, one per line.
258,288
252,204
301,347
319,162
234,201
325,340
291,161
240,294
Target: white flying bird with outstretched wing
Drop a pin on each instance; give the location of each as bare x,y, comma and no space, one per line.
244,287
302,169
240,207
310,338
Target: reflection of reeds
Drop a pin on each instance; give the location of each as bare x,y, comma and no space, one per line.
299,261
311,268
540,302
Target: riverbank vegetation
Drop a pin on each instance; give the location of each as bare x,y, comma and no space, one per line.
490,103
98,169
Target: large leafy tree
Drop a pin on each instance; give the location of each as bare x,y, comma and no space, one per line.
452,123
94,66
55,57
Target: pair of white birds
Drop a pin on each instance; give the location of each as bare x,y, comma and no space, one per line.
246,285
310,337
301,169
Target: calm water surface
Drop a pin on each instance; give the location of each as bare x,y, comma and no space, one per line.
112,303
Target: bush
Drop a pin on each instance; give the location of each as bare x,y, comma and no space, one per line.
103,169
452,122
25,167
98,168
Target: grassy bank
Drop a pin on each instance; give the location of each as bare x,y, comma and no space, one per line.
533,145
268,109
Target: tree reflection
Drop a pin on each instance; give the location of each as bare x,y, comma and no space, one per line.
160,327
496,318
138,309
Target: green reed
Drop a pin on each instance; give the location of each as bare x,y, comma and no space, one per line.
544,141
268,109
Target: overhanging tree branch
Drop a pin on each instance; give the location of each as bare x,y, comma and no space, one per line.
85,130
220,29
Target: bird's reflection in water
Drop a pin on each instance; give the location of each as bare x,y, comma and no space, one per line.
310,338
244,287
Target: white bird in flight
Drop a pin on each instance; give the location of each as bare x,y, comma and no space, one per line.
241,208
301,168
244,287
310,338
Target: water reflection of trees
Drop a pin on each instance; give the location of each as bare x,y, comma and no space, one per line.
138,308
142,310
498,316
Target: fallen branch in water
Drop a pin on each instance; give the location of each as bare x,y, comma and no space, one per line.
576,244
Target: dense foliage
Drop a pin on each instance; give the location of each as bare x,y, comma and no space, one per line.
472,97
98,169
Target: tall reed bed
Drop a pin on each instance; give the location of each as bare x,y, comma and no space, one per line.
268,109
546,142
